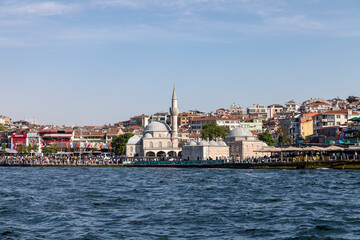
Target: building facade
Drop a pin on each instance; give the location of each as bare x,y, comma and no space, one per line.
243,144
158,139
204,150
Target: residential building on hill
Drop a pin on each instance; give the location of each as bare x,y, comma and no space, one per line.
306,124
332,118
197,123
258,111
292,107
141,121
274,109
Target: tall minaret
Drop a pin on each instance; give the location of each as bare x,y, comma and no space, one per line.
174,110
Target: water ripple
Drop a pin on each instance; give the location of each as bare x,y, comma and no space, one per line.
155,203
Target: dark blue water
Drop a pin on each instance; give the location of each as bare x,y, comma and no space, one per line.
130,203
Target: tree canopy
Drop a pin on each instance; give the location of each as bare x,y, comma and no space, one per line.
212,131
266,138
2,127
357,134
119,143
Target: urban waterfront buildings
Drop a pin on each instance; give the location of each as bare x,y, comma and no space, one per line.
316,120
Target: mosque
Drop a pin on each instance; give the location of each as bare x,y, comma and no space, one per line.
243,144
158,139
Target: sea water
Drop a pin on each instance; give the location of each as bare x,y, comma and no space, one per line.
166,203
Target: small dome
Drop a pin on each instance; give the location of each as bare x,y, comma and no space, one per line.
213,143
222,143
203,143
240,132
192,143
264,144
134,140
157,127
148,135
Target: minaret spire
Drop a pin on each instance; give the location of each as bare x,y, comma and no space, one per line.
174,93
174,110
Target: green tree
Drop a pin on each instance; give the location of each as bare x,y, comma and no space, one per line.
35,148
283,136
50,149
266,137
119,143
2,128
357,134
20,148
212,131
29,148
3,148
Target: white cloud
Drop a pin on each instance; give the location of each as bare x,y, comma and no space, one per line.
37,8
295,23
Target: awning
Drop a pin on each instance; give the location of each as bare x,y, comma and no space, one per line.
355,119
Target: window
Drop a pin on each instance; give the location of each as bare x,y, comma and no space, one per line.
151,144
160,145
338,116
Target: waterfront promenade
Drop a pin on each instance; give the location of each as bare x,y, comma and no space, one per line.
22,161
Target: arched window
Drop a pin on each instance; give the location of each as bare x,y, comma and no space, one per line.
131,148
237,148
151,144
160,145
247,148
169,144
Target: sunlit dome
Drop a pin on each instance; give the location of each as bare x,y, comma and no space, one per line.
203,143
192,143
240,132
213,143
134,140
222,143
148,135
157,127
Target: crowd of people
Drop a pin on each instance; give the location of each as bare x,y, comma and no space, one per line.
26,160
89,160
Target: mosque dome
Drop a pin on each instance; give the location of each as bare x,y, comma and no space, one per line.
148,135
213,144
134,140
264,144
157,127
192,143
222,143
203,143
240,132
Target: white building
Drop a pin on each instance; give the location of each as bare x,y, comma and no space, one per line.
292,107
205,150
158,138
243,144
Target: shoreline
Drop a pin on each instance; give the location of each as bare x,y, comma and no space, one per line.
352,164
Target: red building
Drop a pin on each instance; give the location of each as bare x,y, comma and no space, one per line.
56,136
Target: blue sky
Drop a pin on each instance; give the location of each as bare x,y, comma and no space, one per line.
90,62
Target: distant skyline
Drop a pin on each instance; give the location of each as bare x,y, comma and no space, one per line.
98,62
